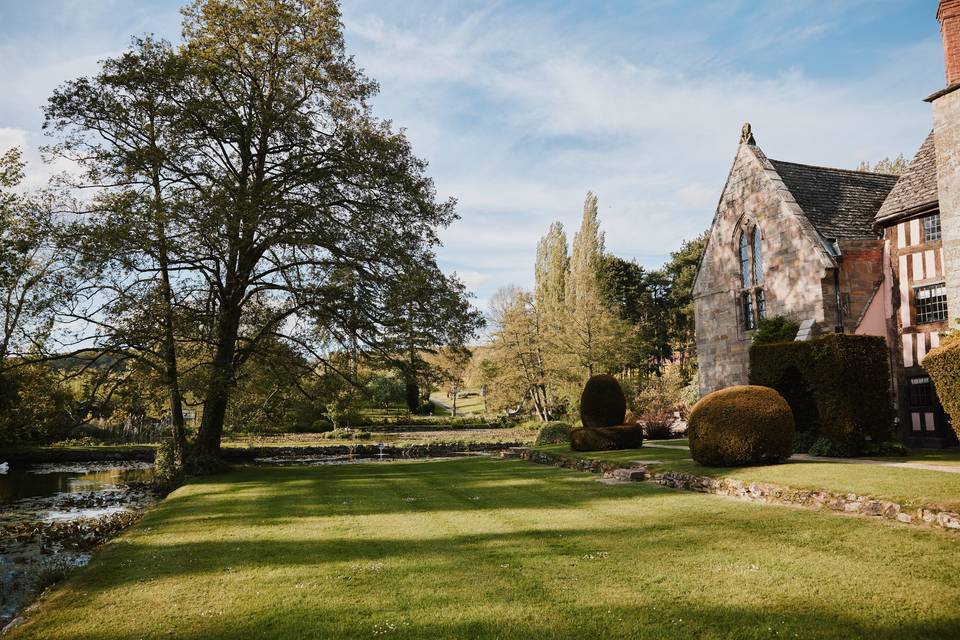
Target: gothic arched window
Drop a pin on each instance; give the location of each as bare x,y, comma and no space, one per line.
757,257
744,260
752,300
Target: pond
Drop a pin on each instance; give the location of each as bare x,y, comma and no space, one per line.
43,480
53,515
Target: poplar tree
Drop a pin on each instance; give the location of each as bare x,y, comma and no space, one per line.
591,328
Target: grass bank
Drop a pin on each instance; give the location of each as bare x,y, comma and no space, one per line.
909,487
483,548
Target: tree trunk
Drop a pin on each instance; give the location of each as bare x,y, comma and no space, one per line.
413,394
170,369
218,389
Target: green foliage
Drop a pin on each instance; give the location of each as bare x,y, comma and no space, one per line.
624,436
385,391
602,403
838,386
775,330
943,365
553,433
344,409
39,407
166,472
895,166
741,425
346,434
823,446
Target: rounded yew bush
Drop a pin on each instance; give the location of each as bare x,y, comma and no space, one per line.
741,425
602,403
624,436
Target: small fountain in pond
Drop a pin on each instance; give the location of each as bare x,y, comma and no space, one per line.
381,455
4,468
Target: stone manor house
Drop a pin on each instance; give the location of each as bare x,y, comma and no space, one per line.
845,251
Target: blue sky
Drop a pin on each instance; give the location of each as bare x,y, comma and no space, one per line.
522,106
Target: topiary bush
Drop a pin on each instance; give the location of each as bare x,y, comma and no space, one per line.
553,433
943,365
624,436
838,387
746,424
602,403
776,330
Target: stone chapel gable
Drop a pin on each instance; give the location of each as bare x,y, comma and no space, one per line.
768,255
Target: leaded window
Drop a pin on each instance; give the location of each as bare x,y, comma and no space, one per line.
753,305
744,261
746,300
757,258
931,227
920,392
931,303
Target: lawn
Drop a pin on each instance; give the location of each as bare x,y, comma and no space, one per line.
909,487
483,548
469,402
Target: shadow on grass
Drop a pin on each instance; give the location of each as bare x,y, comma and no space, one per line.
509,564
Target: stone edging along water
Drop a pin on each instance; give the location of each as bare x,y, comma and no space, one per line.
751,491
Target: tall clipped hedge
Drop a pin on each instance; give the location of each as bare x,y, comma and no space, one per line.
943,365
838,386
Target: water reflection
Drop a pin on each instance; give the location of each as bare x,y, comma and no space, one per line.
24,481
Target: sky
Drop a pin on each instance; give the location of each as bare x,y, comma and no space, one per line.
522,106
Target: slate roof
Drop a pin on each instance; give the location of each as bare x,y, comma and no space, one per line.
840,203
916,189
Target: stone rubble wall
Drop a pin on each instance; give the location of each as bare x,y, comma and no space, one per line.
750,491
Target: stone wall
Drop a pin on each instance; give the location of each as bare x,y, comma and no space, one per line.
794,268
946,127
818,499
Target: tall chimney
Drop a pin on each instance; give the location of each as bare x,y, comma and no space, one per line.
948,13
946,138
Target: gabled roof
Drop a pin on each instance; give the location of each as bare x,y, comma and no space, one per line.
839,203
916,190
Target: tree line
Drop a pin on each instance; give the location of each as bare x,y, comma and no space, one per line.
235,203
589,312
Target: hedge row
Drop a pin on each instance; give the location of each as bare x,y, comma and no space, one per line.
838,386
943,365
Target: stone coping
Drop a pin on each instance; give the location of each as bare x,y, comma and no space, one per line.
816,499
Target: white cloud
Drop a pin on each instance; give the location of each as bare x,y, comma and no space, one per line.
521,108
520,117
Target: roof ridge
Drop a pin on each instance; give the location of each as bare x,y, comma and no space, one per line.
854,171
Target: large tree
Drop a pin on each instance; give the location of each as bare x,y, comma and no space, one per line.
30,263
297,210
514,366
121,128
681,270
591,328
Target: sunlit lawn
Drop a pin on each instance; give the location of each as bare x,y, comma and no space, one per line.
483,548
909,487
469,402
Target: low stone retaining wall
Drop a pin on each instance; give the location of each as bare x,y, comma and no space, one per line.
248,454
752,491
